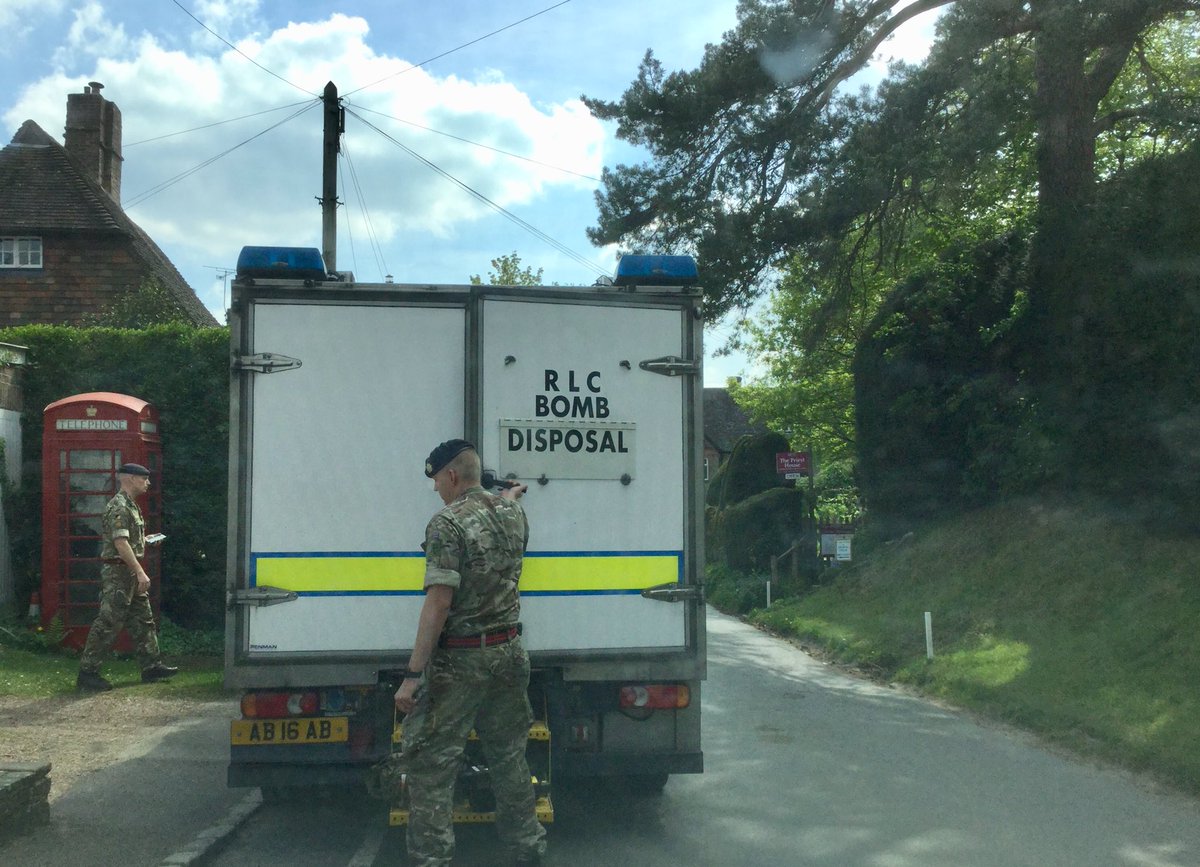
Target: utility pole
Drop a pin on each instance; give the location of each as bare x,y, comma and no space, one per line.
335,125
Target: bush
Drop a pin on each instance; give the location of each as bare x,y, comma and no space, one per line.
734,592
749,470
763,526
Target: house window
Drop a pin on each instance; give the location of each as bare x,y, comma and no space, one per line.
20,252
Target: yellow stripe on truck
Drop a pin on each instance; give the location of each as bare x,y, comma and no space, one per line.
554,573
341,574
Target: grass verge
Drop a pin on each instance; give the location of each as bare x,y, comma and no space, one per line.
1064,620
31,666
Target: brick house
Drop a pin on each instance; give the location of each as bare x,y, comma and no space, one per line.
724,424
67,248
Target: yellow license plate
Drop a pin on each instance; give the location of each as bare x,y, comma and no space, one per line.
303,730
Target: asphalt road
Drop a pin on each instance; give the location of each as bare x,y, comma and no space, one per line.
804,766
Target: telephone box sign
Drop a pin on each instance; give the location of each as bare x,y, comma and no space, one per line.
91,424
792,465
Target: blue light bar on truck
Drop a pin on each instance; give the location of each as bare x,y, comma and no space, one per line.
282,263
655,271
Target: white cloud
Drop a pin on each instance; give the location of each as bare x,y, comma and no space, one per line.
17,18
265,190
92,34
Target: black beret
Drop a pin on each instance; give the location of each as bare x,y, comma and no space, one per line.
444,454
133,470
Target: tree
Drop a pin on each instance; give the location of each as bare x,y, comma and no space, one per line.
507,271
148,304
745,149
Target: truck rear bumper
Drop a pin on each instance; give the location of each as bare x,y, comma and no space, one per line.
284,775
627,765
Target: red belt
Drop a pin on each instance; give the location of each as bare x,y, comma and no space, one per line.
487,639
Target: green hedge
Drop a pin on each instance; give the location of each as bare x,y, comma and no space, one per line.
184,372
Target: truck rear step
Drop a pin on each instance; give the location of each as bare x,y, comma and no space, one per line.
474,802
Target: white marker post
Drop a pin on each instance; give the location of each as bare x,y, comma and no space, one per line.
928,635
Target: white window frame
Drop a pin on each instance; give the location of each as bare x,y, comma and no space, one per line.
20,252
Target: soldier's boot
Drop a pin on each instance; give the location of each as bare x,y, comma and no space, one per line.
92,681
158,671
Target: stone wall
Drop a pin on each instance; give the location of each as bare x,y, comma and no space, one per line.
24,797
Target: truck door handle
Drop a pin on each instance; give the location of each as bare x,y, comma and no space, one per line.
672,592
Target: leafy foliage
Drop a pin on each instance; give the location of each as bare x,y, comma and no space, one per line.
753,158
184,372
749,470
938,394
507,271
147,304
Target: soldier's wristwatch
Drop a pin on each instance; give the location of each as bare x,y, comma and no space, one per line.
409,674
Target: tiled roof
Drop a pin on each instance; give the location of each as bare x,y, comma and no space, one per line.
42,190
724,421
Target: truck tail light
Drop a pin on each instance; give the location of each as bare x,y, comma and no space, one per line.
265,705
656,696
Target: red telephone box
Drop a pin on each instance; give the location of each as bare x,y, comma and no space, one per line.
85,438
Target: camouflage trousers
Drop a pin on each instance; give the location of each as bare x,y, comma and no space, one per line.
121,606
484,689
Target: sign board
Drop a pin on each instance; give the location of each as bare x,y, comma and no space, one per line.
792,465
567,448
836,545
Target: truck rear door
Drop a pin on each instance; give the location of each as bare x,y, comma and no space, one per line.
333,493
566,407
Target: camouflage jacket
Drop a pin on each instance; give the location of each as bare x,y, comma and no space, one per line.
123,518
476,545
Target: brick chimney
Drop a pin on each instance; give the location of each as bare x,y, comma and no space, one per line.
93,137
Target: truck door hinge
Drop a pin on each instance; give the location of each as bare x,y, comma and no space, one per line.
265,362
672,592
670,365
261,596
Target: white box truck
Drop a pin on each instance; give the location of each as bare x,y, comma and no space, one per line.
590,394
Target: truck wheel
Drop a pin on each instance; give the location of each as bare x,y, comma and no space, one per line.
645,785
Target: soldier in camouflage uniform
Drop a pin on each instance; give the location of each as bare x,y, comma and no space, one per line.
124,587
468,668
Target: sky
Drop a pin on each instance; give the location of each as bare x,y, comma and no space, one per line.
447,104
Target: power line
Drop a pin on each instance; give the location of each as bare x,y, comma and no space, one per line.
372,236
239,51
533,230
210,125
485,147
170,182
460,47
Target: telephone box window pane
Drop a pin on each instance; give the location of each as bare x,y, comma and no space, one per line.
87,526
83,548
88,504
84,570
101,482
91,459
